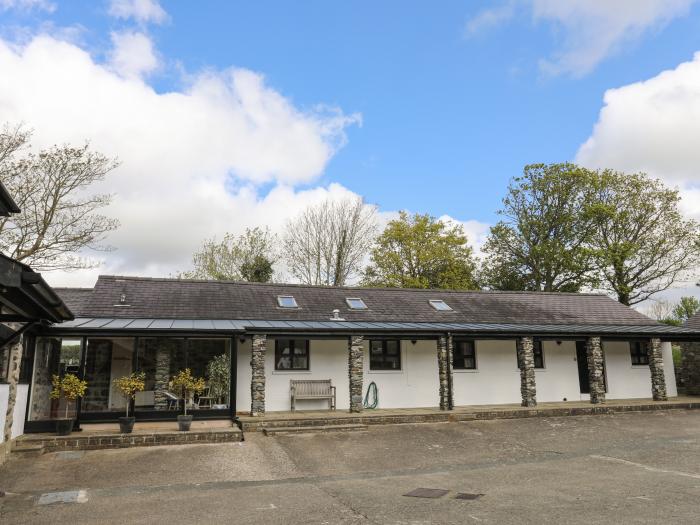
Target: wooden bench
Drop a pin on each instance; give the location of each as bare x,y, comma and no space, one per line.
312,389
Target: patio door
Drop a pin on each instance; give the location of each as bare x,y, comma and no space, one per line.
582,361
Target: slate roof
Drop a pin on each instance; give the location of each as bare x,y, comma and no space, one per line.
693,322
158,298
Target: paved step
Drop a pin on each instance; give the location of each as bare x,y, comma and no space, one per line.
27,451
313,429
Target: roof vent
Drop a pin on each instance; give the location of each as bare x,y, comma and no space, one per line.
336,315
122,300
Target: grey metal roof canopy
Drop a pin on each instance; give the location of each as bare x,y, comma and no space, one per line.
343,327
25,296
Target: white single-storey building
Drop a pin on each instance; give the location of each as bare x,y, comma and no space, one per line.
389,348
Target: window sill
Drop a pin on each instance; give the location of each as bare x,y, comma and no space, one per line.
369,372
465,370
640,367
288,372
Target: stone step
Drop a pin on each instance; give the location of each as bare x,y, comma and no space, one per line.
313,429
27,451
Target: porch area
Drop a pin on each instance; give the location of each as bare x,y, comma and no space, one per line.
387,416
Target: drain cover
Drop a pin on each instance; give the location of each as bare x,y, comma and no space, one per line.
69,496
427,493
466,495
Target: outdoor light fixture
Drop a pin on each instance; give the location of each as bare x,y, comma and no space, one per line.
414,341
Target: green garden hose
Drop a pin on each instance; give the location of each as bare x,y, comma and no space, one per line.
374,392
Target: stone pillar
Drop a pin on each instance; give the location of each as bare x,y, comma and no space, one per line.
526,364
14,363
596,374
690,368
257,380
355,371
656,366
444,356
162,375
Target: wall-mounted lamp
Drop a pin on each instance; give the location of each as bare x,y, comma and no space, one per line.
413,341
559,343
242,339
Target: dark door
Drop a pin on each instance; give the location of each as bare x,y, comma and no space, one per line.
582,361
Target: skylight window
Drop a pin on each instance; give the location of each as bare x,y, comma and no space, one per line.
355,303
440,305
287,301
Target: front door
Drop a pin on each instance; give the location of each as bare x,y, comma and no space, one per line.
582,360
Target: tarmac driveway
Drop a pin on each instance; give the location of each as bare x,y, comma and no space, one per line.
636,467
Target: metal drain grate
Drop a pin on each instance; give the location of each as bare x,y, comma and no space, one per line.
70,496
466,495
426,493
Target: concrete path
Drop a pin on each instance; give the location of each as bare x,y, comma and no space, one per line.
625,468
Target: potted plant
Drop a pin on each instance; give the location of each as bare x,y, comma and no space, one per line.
219,372
70,388
128,386
185,384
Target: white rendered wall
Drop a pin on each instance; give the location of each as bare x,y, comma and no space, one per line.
496,379
243,378
19,412
669,370
627,381
558,380
328,359
417,384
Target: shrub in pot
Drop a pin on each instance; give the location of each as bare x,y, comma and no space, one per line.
129,386
219,372
70,388
185,384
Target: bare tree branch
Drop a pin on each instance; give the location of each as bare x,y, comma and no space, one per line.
327,243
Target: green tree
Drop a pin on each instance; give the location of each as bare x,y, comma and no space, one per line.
686,308
541,242
420,251
248,257
640,241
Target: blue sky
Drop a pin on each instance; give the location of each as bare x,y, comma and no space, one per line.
446,101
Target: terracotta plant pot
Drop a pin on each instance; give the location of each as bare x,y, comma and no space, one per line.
64,427
126,424
183,423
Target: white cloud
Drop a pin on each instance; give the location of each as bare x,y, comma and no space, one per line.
182,152
140,10
591,30
489,18
653,126
27,5
133,54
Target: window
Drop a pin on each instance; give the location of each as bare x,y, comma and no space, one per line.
464,355
287,301
355,303
385,355
638,352
291,354
440,305
538,354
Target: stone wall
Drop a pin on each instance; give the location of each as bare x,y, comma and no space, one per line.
257,382
444,356
656,366
526,363
690,367
355,371
162,376
596,377
15,361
